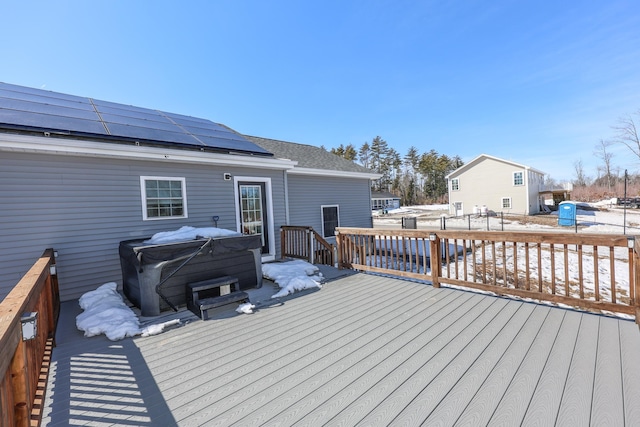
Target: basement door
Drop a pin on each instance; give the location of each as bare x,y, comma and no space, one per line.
253,211
458,208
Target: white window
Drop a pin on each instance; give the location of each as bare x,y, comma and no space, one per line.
518,178
455,184
506,203
163,197
330,220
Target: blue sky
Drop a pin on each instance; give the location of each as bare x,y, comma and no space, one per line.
537,82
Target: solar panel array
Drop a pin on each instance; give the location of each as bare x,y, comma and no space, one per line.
39,110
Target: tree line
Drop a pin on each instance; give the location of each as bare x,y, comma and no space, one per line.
416,178
420,178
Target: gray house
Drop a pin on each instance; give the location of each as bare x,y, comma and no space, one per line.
80,175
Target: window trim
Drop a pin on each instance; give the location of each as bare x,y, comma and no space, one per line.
514,178
455,187
143,194
322,218
502,203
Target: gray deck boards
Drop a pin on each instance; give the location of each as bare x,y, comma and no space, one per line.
364,350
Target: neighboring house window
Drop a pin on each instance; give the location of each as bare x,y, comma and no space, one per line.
163,198
455,184
506,203
518,178
382,204
330,220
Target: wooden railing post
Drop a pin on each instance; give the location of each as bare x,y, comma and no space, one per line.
435,259
283,242
311,247
339,250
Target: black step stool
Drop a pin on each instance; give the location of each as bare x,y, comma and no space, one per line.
207,294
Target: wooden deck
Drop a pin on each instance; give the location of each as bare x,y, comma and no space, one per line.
364,350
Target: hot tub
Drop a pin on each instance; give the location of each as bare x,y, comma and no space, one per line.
173,265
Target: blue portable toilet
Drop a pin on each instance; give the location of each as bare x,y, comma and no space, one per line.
567,214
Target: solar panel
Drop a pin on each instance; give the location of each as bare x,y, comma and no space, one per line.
54,110
232,145
45,100
144,115
40,92
36,109
151,134
134,121
46,122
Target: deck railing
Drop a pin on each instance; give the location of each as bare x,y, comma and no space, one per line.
589,271
24,364
305,243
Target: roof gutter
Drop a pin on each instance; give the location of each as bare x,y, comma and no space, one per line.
64,146
334,173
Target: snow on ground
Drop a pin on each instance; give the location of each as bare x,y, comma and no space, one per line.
601,217
106,313
292,276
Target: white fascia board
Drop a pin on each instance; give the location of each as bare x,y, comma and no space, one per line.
486,156
333,173
58,146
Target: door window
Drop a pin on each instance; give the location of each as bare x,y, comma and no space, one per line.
253,212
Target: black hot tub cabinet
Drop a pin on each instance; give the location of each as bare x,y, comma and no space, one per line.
145,266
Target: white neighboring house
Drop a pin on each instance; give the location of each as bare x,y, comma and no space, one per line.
491,184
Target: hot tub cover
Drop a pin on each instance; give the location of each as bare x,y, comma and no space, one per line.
139,252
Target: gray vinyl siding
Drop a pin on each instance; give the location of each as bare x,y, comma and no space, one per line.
83,207
308,193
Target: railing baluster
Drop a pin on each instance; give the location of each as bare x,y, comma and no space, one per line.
527,267
484,262
566,270
424,255
504,265
580,277
612,270
515,265
632,256
540,267
464,259
474,248
552,257
596,277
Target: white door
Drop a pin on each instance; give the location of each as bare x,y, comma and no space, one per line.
458,208
253,212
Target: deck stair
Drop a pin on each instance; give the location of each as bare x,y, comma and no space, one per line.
213,293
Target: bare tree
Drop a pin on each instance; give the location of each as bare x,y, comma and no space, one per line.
581,178
627,133
604,155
